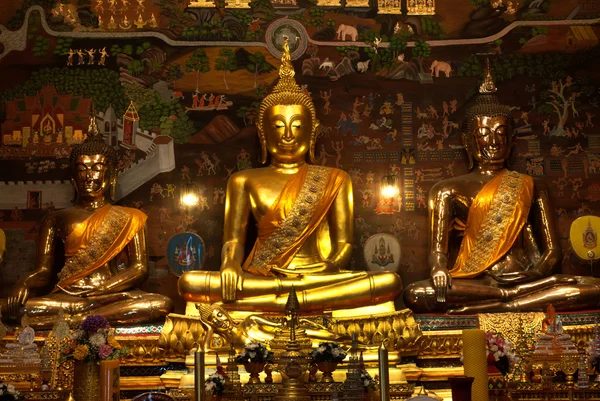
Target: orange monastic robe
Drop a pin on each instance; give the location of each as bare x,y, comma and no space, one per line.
97,240
496,218
294,216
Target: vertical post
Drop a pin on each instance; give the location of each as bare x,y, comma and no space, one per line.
384,373
199,375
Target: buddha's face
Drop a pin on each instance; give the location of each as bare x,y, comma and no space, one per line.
90,173
220,319
490,142
287,130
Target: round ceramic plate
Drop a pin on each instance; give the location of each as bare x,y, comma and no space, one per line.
185,252
382,252
584,237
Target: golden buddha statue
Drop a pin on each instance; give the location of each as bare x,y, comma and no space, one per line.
510,247
305,223
103,248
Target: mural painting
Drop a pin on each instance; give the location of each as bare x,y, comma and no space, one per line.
175,88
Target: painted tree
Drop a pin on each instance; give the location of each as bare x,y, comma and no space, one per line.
420,51
135,67
197,62
226,63
174,72
561,102
258,65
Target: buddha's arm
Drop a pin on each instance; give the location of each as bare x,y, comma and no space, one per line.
41,276
341,227
544,223
237,212
541,231
440,222
134,274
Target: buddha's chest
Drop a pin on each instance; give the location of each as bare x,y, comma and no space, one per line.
264,191
70,221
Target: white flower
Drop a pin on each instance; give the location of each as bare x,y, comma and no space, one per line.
77,334
252,346
10,388
494,348
367,382
209,386
97,339
322,349
252,355
336,352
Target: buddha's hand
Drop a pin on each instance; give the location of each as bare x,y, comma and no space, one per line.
512,278
232,279
441,282
17,301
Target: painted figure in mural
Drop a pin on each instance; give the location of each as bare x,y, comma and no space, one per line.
303,212
510,247
105,256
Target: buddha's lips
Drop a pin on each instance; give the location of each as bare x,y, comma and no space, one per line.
287,146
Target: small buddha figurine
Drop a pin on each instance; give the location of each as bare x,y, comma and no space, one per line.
92,256
305,223
509,247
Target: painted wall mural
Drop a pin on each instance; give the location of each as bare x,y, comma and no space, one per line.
176,86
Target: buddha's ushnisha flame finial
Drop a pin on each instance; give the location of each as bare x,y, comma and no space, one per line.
488,86
286,83
93,131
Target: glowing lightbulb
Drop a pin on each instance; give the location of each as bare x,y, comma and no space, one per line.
389,191
190,199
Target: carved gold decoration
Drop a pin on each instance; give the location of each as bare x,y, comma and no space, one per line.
513,326
399,328
143,350
181,333
440,344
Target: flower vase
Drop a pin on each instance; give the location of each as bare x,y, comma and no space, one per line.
86,381
327,368
495,377
254,369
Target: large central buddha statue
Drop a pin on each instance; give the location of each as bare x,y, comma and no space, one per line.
305,223
91,257
494,246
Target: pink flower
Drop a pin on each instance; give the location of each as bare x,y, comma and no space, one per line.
104,351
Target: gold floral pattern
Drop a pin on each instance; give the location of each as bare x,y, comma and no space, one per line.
102,240
297,219
495,221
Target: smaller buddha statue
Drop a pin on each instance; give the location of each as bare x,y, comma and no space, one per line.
92,256
22,355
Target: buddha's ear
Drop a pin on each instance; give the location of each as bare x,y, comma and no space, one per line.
74,190
313,143
112,189
465,143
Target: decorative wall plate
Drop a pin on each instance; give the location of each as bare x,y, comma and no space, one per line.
382,252
584,237
185,252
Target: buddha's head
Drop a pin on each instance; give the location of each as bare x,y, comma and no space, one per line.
287,120
487,134
216,316
93,166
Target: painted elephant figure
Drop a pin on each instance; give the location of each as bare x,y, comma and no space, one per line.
344,30
438,66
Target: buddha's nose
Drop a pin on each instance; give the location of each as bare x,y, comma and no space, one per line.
287,135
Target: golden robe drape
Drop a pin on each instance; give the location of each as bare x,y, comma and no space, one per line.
97,240
495,220
296,213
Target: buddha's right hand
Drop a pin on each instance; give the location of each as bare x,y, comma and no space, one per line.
232,278
17,301
441,282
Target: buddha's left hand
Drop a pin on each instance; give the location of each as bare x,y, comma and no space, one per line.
323,266
512,278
